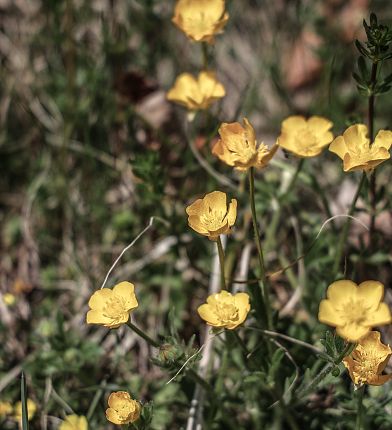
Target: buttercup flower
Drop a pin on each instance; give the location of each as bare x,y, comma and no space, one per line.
224,310
210,215
357,153
305,138
200,20
354,309
122,409
31,409
368,360
5,409
74,422
237,147
196,94
111,307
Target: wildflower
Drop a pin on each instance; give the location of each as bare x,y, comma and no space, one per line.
111,307
210,215
357,153
5,409
305,138
224,310
196,94
9,299
122,409
368,360
354,309
31,409
200,20
74,422
237,147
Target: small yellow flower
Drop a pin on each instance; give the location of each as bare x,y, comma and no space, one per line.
237,147
200,20
305,138
354,309
368,360
31,409
210,215
122,409
5,409
357,153
224,310
111,307
196,94
9,299
74,422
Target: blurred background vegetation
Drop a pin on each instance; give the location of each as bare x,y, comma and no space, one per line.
90,150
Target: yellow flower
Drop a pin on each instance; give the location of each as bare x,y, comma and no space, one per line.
305,138
9,299
368,360
198,93
111,307
5,409
237,147
223,310
200,20
74,422
210,215
357,153
31,409
354,309
122,409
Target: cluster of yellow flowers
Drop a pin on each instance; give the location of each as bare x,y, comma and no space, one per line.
15,412
353,310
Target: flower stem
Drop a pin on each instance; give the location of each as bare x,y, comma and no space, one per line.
145,336
199,380
344,233
373,185
221,254
358,422
263,283
326,371
204,49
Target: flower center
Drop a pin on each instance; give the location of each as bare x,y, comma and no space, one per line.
212,219
306,140
226,312
354,312
115,307
124,411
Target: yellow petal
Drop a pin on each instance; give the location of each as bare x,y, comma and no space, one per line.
380,379
195,223
371,292
127,291
250,133
352,332
232,212
207,315
356,135
328,315
383,140
113,417
217,201
99,298
196,208
381,316
319,125
338,146
341,291
210,86
293,123
96,317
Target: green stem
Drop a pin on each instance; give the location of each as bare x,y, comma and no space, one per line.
204,48
373,184
23,398
263,283
273,225
221,254
326,371
344,233
240,342
145,336
358,422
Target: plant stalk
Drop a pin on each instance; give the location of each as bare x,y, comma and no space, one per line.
263,282
221,254
344,233
358,421
145,336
